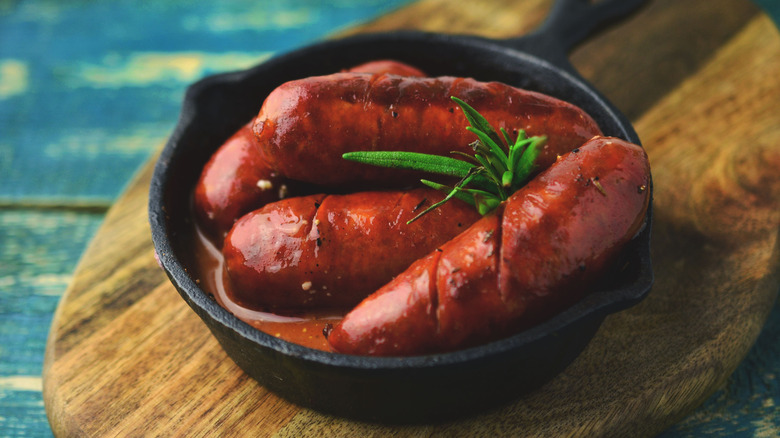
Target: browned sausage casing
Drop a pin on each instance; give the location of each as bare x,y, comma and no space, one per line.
331,251
238,179
235,181
388,66
516,267
306,125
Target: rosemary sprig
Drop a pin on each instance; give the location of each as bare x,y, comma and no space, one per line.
492,177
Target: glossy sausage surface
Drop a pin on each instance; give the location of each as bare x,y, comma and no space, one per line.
388,66
331,251
238,179
307,124
533,257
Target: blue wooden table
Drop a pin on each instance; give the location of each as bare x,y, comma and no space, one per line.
89,90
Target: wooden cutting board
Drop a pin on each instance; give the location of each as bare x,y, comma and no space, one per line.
126,356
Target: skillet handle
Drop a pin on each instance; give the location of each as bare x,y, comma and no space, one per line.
569,23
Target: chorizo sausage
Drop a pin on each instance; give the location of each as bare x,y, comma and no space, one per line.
331,251
387,66
238,179
532,257
307,124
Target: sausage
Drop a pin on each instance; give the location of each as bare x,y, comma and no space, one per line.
388,66
238,179
307,124
537,254
331,251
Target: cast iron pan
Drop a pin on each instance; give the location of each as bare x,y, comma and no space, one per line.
414,389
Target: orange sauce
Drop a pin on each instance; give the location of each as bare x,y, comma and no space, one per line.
304,329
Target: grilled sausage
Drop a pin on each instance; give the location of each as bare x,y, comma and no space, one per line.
331,251
238,179
235,181
387,66
534,256
306,125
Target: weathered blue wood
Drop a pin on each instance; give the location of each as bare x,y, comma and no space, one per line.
39,250
88,90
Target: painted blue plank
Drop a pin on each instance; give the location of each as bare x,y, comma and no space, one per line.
38,253
23,418
85,97
88,90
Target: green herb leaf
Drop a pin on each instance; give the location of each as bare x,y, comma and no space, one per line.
449,196
498,168
527,161
460,194
486,204
496,156
517,149
476,120
412,161
506,178
507,140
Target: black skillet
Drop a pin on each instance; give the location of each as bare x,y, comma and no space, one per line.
414,389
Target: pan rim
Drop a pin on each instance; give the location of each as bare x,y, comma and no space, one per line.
597,303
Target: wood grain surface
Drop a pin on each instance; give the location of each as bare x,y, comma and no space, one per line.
126,357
